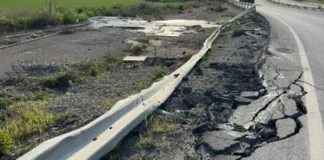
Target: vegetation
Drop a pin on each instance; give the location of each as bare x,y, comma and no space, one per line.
237,32
316,1
140,86
137,50
52,16
31,117
109,105
61,79
145,141
39,4
162,126
158,73
5,102
6,141
96,69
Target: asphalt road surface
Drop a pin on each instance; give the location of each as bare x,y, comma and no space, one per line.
297,40
292,2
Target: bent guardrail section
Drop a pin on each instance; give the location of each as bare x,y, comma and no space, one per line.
97,138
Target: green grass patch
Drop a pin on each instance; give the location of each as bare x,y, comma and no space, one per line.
40,4
64,14
30,117
162,126
61,79
140,86
109,105
145,141
96,69
158,73
315,1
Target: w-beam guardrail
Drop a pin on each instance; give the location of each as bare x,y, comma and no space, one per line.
240,4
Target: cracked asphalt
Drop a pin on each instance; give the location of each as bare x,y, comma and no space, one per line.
293,75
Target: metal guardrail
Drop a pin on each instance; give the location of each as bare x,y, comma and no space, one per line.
97,138
237,3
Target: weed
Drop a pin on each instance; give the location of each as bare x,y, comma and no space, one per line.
158,73
145,141
161,145
109,105
115,61
5,102
117,92
36,95
61,79
237,32
6,141
161,126
96,69
8,41
32,118
137,50
141,86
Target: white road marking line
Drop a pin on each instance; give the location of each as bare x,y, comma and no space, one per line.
314,119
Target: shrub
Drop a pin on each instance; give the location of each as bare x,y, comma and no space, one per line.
81,17
181,7
44,19
69,17
6,141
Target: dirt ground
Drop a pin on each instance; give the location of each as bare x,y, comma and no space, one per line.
22,66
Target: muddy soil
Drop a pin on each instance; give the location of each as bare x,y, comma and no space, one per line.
226,78
80,103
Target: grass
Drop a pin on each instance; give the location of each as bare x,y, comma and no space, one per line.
316,1
30,117
5,102
39,4
145,141
158,73
61,79
140,86
162,126
6,141
8,41
96,69
109,105
137,50
55,15
154,125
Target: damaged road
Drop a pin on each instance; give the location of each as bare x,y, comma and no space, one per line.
225,107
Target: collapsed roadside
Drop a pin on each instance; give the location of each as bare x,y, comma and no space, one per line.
225,108
42,99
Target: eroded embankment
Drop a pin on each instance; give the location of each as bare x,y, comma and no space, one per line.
224,109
